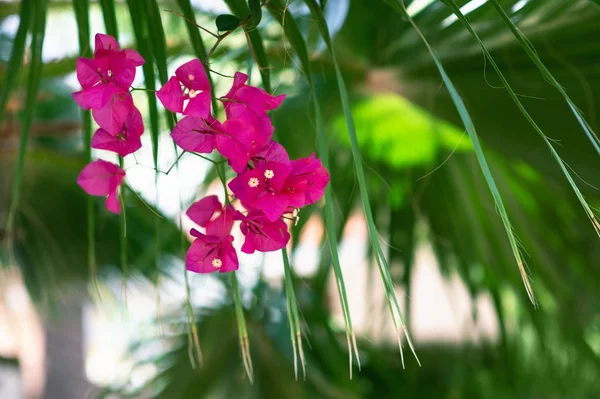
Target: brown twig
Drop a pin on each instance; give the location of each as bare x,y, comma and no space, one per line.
193,23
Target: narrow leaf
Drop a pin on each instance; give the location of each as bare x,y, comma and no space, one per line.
255,12
398,5
292,32
242,330
388,284
548,76
456,10
110,17
81,8
293,315
16,57
33,84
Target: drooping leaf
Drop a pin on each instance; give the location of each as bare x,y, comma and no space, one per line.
255,12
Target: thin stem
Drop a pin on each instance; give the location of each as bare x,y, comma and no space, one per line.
242,330
142,89
193,23
220,38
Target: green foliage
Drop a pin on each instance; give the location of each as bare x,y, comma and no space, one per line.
385,114
255,11
227,22
399,133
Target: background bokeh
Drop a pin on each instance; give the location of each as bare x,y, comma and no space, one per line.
124,328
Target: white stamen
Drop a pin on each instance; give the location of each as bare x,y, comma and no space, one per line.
253,182
269,174
217,263
192,94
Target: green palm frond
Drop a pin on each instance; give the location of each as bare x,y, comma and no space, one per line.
383,97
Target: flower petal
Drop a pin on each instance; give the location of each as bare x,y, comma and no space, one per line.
273,151
199,105
222,224
196,134
202,211
229,259
255,98
100,177
262,234
193,76
112,116
112,203
273,205
102,140
106,43
134,57
310,170
89,71
170,95
196,259
260,123
122,69
79,98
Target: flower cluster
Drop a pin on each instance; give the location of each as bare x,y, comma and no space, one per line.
106,81
269,186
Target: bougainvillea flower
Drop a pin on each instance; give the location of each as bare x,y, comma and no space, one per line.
311,171
207,254
106,45
265,188
112,116
102,178
261,233
242,138
110,70
127,140
273,151
202,211
262,123
197,134
254,98
188,92
211,251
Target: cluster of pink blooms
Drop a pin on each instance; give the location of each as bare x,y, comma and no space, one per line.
268,184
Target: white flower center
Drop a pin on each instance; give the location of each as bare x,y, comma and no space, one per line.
269,174
192,93
217,263
253,182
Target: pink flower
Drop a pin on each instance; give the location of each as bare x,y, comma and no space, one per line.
106,45
273,151
207,254
242,138
311,171
254,98
261,233
197,134
211,251
200,212
127,140
101,178
110,70
112,116
265,188
188,92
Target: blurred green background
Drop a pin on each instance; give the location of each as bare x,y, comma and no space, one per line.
78,331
